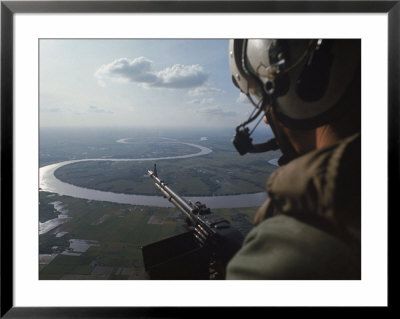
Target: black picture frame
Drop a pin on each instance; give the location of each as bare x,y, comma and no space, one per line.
9,8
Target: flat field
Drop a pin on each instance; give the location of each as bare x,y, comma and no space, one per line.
97,240
221,172
111,236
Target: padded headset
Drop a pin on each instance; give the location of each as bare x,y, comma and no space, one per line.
269,80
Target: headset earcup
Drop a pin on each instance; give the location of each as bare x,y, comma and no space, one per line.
314,79
282,85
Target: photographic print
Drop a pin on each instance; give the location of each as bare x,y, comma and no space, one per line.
110,111
138,158
139,178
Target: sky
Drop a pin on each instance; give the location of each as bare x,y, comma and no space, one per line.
136,83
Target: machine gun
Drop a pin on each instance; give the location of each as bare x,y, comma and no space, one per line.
201,253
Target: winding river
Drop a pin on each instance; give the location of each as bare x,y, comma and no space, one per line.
48,182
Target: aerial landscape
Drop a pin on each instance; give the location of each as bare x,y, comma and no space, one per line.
81,238
109,110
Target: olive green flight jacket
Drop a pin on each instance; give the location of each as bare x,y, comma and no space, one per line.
310,226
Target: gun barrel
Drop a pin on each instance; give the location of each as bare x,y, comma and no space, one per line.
208,227
171,195
211,237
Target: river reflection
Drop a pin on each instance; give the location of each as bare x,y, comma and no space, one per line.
48,182
55,222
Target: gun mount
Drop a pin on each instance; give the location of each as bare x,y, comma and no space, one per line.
201,253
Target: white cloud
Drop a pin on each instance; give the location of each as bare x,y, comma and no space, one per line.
242,99
201,101
95,109
206,89
181,76
123,69
216,111
140,70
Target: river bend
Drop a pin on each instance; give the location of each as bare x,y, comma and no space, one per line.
48,182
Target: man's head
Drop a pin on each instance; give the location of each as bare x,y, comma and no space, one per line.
301,85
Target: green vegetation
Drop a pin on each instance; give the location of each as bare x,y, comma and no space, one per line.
218,173
49,243
46,209
111,235
61,144
117,232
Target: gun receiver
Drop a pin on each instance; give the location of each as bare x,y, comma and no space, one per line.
214,235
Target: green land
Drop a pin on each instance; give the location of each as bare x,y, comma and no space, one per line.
115,233
103,240
222,172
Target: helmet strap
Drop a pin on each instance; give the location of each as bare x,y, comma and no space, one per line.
287,149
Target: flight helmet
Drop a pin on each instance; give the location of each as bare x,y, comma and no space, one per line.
301,79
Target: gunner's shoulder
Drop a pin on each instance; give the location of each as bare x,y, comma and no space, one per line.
336,155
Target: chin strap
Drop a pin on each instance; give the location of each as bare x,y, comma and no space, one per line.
287,149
